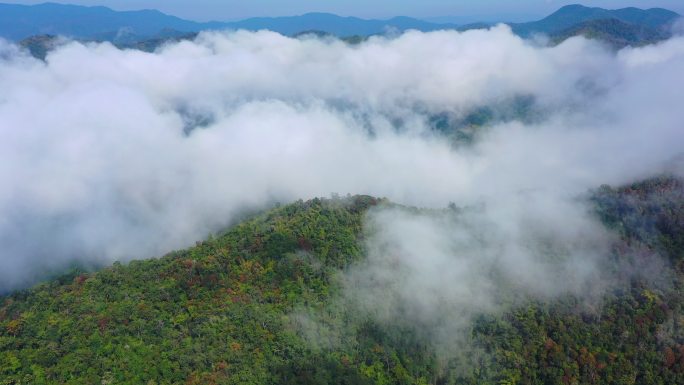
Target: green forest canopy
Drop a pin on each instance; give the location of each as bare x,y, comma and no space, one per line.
225,312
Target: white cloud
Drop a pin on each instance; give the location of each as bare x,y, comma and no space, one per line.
112,155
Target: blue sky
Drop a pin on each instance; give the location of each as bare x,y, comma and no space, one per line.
486,10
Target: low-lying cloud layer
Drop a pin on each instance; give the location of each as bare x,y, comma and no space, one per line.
113,155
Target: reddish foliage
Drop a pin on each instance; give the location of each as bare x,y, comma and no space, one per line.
102,323
670,358
549,344
80,279
210,280
304,244
257,245
13,327
567,380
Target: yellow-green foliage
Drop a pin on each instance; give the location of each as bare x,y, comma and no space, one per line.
222,313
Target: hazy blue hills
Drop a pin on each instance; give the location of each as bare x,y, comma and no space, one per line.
147,29
21,21
571,15
18,22
336,25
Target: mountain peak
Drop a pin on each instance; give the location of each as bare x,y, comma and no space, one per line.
572,7
571,15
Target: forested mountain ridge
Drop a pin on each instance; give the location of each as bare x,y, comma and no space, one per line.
228,311
656,19
80,22
18,22
148,29
614,32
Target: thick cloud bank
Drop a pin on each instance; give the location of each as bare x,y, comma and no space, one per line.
112,155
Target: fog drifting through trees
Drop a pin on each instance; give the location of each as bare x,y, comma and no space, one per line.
116,155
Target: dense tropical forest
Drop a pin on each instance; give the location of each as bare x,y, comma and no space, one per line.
257,304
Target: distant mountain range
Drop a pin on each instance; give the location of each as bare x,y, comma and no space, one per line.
21,21
571,15
147,29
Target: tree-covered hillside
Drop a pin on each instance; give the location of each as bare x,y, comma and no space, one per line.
656,19
613,32
234,310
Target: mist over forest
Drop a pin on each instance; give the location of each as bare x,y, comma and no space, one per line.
467,175
121,154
